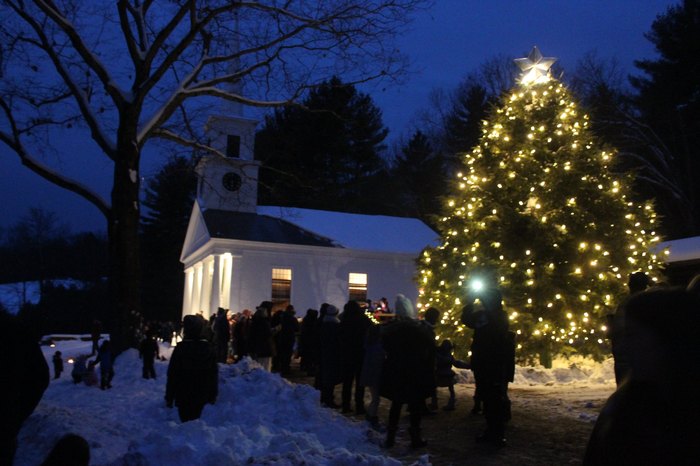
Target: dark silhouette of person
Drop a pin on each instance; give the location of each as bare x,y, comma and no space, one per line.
105,358
222,334
408,373
148,352
308,342
241,335
330,356
638,282
285,339
652,418
25,376
95,335
193,374
261,344
57,364
444,374
70,450
492,359
353,332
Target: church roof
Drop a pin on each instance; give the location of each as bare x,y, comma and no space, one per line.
380,233
254,227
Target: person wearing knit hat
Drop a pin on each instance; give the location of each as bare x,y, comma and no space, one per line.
404,308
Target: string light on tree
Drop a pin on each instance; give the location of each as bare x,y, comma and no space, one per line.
537,210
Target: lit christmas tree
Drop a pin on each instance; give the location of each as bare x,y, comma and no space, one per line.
537,210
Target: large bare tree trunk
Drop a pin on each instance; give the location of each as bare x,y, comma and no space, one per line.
125,270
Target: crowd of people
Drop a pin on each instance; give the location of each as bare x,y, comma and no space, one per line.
393,354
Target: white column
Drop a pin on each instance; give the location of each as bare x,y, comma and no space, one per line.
205,298
187,292
197,289
215,283
226,266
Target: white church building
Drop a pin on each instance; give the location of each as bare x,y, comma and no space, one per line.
237,253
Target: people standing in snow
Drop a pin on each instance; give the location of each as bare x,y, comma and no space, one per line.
330,357
371,375
241,335
652,418
638,282
105,359
285,339
222,333
353,331
408,374
57,364
308,342
148,352
23,382
261,346
492,359
193,374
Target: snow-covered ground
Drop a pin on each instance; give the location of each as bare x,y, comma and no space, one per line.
259,418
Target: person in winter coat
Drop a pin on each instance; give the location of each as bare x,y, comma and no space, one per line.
408,374
371,375
57,364
25,376
308,342
444,375
492,359
95,335
330,358
222,334
241,335
193,374
353,331
652,418
285,339
105,359
148,352
637,282
261,345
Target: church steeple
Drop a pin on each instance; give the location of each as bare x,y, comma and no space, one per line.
230,182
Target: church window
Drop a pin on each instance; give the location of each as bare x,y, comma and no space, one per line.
281,286
233,146
357,287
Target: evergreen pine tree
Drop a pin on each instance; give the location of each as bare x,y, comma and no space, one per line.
537,209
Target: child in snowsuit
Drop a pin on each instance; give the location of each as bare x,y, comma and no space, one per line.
79,368
57,364
105,360
444,375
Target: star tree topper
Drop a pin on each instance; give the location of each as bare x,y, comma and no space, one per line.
535,67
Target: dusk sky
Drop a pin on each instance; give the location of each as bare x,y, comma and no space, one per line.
445,44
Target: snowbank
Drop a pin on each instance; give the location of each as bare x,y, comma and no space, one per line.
259,418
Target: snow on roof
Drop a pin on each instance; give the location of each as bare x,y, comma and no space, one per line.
379,233
684,249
